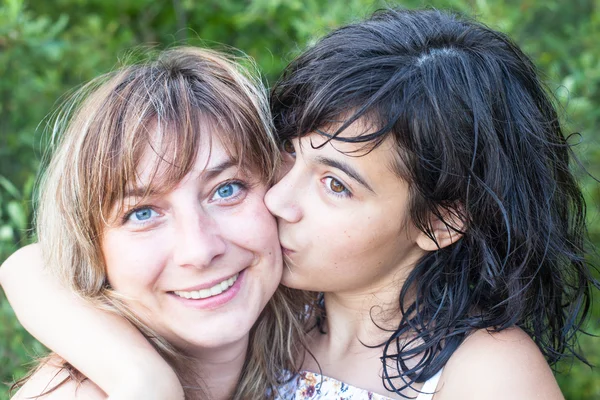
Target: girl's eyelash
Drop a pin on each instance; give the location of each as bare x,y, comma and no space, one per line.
288,147
346,194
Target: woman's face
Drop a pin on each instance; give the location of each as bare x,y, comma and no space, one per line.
198,263
342,217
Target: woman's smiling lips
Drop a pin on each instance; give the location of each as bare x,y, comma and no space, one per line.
207,297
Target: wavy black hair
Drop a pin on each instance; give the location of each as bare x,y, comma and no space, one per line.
478,138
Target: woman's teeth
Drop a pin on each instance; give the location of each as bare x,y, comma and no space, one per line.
205,293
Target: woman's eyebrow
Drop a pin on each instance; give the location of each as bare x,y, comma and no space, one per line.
213,171
344,167
207,174
139,191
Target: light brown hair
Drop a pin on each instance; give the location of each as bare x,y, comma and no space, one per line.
99,137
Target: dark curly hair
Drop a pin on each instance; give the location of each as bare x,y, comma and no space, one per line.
478,139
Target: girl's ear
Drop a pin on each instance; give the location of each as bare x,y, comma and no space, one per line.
446,230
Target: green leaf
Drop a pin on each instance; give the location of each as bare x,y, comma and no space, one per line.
17,214
6,233
9,187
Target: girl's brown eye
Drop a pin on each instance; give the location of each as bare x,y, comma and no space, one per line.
336,186
288,146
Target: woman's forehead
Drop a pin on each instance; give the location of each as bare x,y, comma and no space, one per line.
159,160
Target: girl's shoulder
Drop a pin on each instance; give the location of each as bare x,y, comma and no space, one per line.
498,365
55,384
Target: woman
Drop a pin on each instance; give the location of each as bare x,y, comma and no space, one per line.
427,196
152,209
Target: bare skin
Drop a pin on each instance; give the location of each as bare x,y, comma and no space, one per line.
51,376
497,366
328,240
206,228
486,366
332,227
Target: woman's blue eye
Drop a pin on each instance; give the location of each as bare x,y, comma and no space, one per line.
227,190
142,214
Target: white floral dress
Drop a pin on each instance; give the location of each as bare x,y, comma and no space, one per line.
313,386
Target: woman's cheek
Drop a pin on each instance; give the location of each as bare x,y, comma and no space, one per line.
134,260
253,224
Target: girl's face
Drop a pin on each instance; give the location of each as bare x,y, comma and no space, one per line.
342,217
197,263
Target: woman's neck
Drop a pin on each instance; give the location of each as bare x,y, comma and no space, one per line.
219,369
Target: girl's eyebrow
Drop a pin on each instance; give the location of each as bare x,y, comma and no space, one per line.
344,167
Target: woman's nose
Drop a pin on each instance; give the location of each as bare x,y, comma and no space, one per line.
198,241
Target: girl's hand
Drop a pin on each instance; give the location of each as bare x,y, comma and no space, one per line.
104,347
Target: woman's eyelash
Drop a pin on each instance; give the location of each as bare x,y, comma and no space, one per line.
128,214
242,188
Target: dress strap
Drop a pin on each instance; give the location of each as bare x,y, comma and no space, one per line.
430,386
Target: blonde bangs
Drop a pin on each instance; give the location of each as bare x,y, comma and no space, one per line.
156,109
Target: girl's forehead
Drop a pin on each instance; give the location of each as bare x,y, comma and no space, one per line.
373,168
320,143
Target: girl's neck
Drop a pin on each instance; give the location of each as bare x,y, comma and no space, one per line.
368,315
356,324
360,318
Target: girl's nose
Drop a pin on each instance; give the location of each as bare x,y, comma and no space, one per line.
282,199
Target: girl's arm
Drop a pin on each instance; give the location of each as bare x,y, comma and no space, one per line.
107,349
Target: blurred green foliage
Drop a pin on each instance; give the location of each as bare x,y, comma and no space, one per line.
49,47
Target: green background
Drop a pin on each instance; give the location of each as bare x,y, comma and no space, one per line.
49,47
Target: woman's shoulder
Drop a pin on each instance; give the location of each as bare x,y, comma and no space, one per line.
498,365
54,383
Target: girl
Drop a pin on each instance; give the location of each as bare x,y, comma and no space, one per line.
426,199
152,209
